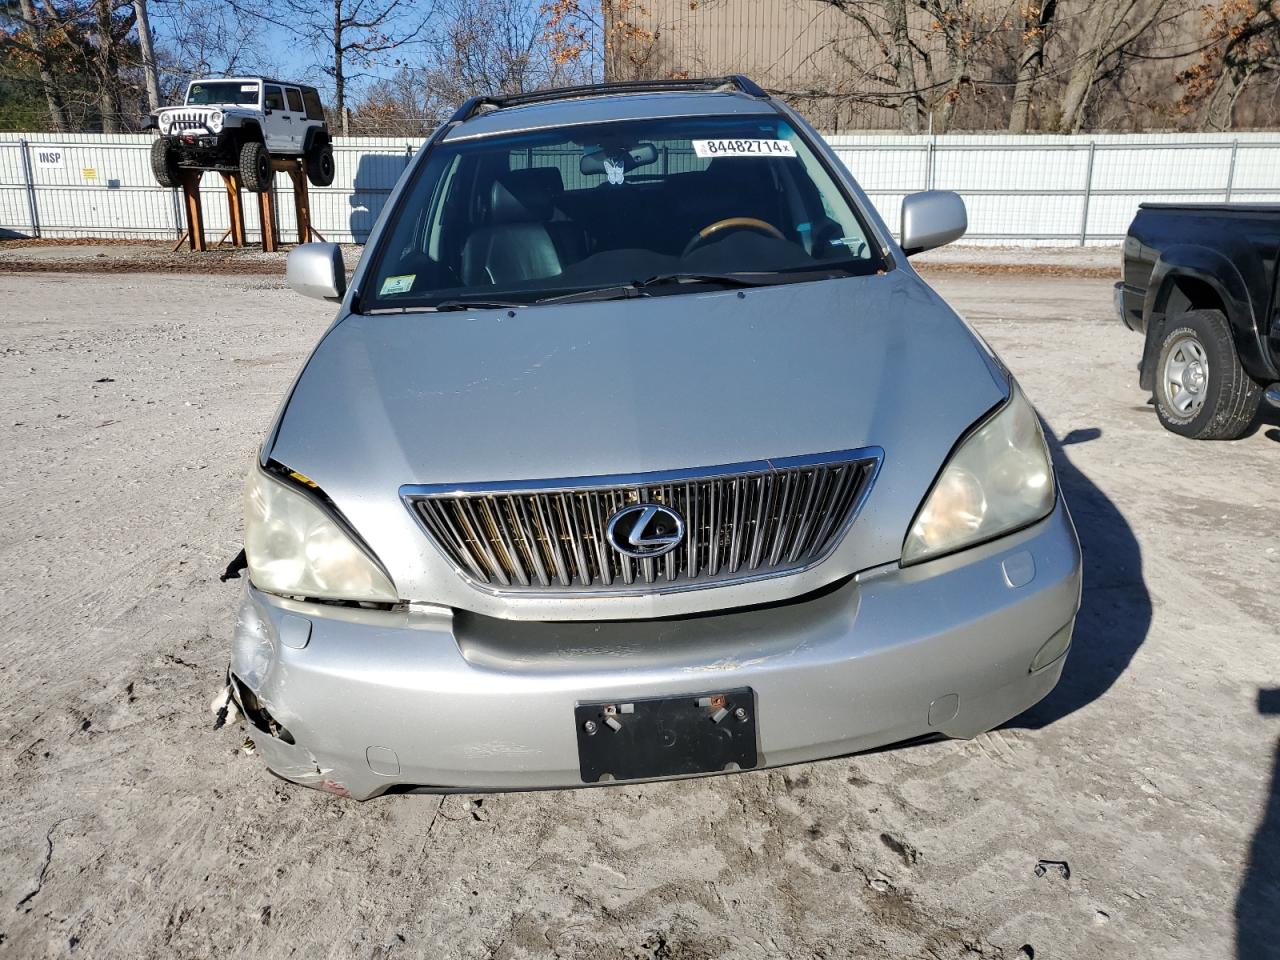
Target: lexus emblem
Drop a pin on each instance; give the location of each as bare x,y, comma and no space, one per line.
645,530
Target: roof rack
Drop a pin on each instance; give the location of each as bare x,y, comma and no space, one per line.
736,81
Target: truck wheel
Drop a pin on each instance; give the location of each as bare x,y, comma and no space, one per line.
164,165
255,167
320,167
1202,392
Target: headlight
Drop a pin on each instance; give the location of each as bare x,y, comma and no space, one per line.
166,121
999,479
214,121
297,549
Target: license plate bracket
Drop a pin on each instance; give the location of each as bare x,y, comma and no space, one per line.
643,737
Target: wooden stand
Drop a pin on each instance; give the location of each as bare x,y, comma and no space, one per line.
301,206
194,234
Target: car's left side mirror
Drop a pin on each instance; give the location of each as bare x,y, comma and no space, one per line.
317,270
930,219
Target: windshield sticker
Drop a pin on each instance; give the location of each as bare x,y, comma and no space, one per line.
743,148
616,170
248,87
401,284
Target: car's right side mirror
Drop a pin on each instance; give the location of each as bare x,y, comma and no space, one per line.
930,219
317,270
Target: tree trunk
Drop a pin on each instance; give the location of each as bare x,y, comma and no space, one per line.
57,110
904,66
339,77
1077,92
959,73
148,54
108,93
1030,64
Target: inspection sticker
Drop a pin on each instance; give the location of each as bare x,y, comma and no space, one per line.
401,284
744,148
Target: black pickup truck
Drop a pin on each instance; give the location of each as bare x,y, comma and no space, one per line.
1200,281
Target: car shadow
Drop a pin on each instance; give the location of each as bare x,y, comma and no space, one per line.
376,174
1258,904
1115,606
1268,416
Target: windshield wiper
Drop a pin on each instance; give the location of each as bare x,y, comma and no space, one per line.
616,291
762,279
637,288
744,278
447,305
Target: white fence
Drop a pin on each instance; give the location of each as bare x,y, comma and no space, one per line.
1019,190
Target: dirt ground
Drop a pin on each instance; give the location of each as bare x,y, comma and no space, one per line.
159,256
132,405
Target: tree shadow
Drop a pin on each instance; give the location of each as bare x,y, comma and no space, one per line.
1258,905
1115,607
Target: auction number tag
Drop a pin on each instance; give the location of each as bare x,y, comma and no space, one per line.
744,148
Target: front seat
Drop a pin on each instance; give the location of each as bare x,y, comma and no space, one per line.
516,245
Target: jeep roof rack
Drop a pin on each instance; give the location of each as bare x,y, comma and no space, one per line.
736,81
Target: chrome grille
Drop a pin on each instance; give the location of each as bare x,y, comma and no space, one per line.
743,521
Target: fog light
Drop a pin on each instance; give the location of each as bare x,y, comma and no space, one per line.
1053,648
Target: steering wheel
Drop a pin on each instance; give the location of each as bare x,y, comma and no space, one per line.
731,223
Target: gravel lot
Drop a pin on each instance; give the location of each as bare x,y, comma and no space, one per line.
130,828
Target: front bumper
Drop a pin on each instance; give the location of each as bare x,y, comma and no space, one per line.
361,701
203,148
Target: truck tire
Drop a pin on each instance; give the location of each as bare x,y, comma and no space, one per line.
255,167
320,168
1201,391
164,165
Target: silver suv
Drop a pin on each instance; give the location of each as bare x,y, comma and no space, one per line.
638,450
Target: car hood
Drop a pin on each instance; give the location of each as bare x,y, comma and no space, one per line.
629,386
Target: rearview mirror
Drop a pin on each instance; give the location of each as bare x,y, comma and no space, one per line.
931,219
317,270
642,154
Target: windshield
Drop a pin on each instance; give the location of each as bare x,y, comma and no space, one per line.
223,91
533,215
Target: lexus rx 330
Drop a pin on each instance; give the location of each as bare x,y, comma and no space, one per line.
638,450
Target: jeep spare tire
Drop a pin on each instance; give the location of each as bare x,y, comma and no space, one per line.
164,165
320,167
255,167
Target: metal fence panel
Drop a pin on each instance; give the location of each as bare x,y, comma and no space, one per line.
15,195
1020,190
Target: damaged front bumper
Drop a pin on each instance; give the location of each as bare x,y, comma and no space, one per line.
359,702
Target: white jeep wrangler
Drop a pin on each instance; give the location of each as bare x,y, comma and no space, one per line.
236,125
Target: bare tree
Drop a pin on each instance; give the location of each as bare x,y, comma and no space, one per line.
480,47
1110,28
202,40
148,54
349,36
